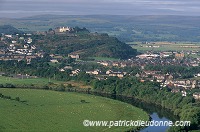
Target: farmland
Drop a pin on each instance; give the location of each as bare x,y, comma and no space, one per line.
44,110
165,46
38,82
27,81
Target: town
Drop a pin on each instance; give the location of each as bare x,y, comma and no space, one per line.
22,47
90,65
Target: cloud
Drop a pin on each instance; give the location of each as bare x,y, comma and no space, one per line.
116,7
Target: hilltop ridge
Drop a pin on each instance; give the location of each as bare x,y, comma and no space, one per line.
67,41
81,42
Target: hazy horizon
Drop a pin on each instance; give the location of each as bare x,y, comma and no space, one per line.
24,8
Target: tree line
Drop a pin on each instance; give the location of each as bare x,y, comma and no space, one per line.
185,107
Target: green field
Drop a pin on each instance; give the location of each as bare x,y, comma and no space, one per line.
26,81
38,82
166,46
41,110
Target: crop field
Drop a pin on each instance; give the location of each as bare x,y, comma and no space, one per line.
44,110
166,46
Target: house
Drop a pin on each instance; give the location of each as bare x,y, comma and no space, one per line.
8,36
147,56
59,57
115,63
2,38
151,72
26,46
170,77
188,82
62,70
75,72
194,84
74,56
117,74
104,63
2,52
159,77
68,67
179,55
196,95
95,72
54,61
16,57
123,65
14,42
21,38
164,55
33,47
29,57
120,75
195,65
142,80
29,41
197,75
108,72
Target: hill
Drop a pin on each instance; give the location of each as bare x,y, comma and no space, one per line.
125,28
8,29
85,44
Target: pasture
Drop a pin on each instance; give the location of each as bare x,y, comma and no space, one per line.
166,46
26,81
38,82
44,110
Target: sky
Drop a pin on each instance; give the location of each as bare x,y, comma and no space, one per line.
23,8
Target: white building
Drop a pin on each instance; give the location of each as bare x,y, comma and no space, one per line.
62,29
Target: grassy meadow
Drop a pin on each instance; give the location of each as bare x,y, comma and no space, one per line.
44,110
38,82
26,81
12,80
166,46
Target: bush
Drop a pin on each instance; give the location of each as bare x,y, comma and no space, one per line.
1,85
9,85
17,99
83,101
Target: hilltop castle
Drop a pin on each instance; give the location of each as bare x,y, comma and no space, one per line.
62,29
